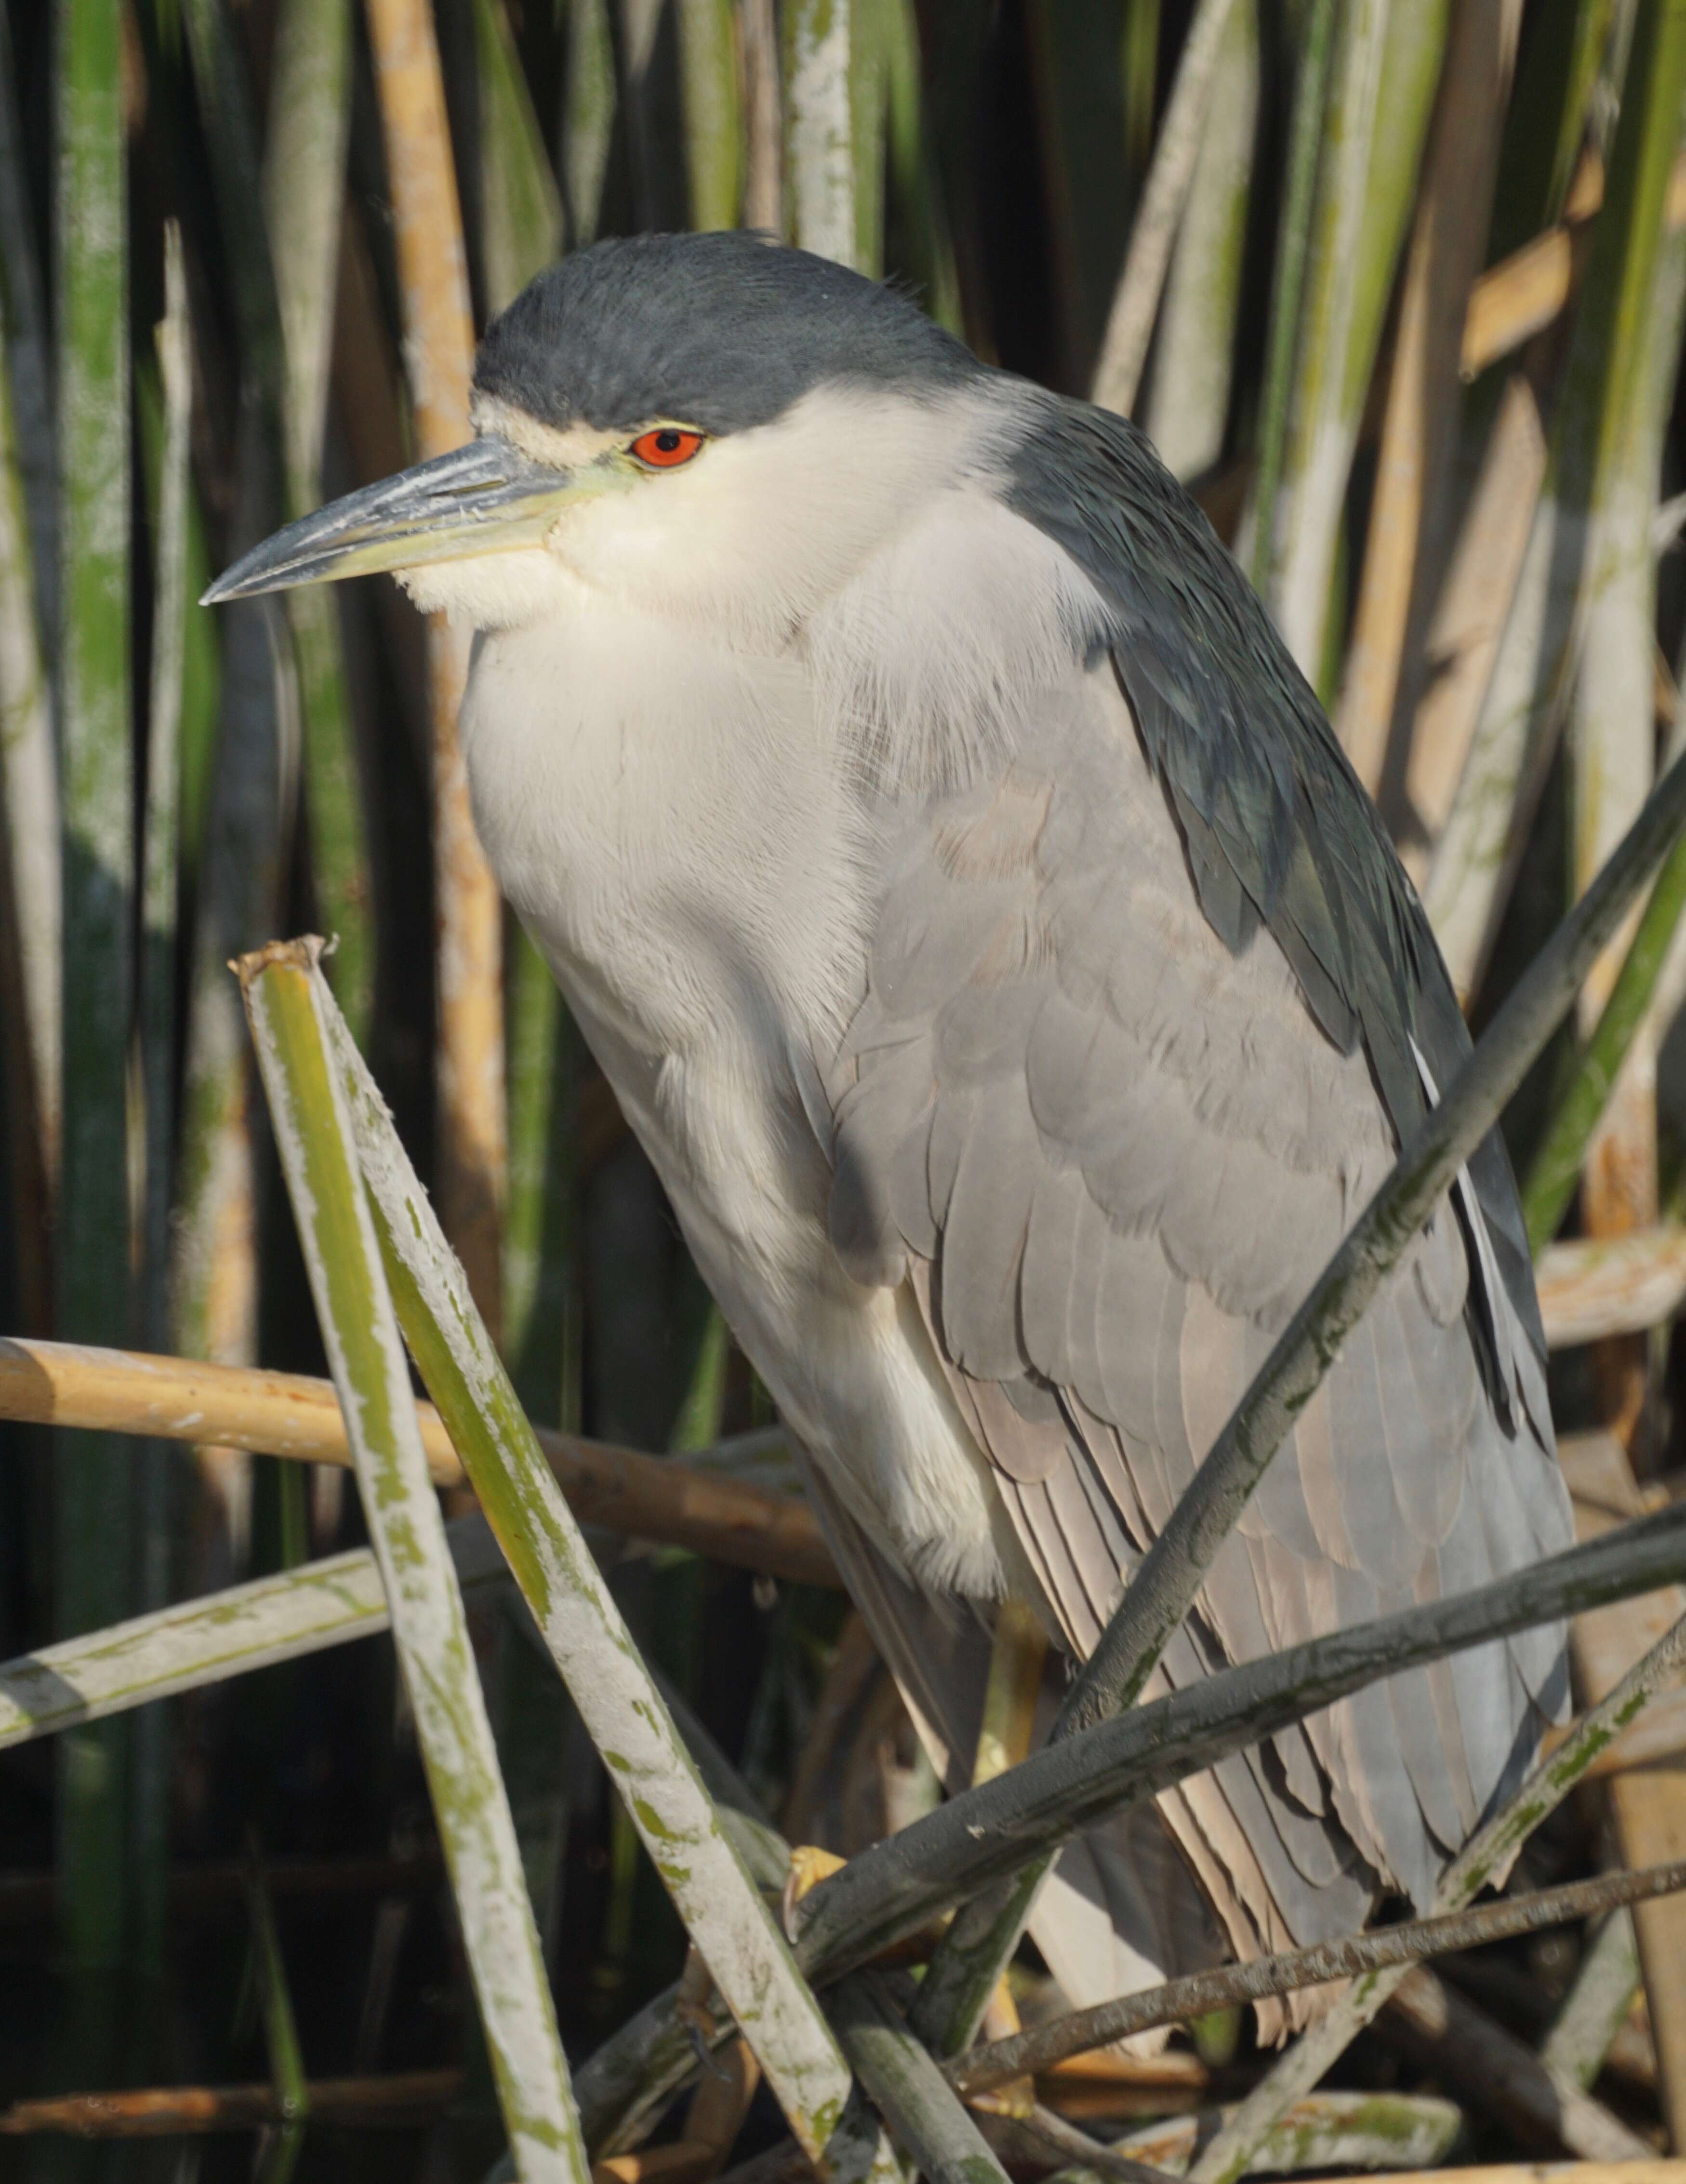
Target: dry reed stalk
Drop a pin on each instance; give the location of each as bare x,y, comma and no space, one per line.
1607,1982
1488,1853
764,148
1324,2130
1194,351
1590,1288
32,911
1526,292
287,1006
1419,429
1443,2031
1135,306
1468,619
468,915
285,1414
1609,361
398,2102
1069,2043
1647,1809
1611,736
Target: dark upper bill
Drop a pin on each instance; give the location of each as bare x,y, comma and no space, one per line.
485,498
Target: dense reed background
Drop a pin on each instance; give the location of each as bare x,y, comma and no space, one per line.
1397,286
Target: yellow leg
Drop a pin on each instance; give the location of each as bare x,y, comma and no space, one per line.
1009,1724
1010,1699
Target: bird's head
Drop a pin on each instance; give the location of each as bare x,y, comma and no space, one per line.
707,425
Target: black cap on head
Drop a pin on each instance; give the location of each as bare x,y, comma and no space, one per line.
721,331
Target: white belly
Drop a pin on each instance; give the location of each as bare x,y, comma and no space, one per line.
710,942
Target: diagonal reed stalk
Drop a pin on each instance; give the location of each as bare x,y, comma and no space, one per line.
1179,2001
1166,1585
194,1644
888,1891
983,1834
902,2082
286,1002
1483,1859
724,1913
1164,1588
1555,1167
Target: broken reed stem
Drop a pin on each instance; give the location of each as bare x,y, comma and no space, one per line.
729,1922
1135,306
1179,2000
288,1414
287,1000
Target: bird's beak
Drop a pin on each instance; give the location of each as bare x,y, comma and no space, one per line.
485,498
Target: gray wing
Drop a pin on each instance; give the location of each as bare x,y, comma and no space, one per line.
1111,1151
1119,1912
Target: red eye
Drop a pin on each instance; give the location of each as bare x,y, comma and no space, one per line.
666,448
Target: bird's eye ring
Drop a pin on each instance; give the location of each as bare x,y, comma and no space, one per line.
666,448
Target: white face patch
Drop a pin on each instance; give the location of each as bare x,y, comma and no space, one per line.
562,448
496,591
750,539
765,531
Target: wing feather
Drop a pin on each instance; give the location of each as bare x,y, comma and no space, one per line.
1139,1106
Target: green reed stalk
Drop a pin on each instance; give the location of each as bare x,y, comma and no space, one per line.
94,1518
285,998
1486,830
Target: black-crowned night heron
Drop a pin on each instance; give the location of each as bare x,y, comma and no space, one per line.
1012,986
